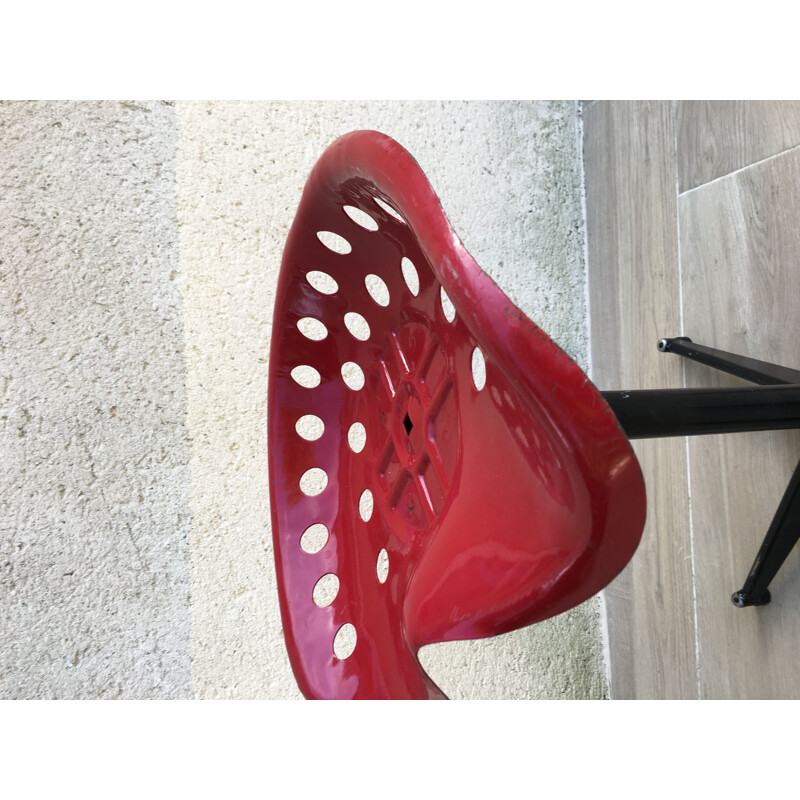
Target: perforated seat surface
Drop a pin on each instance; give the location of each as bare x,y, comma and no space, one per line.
439,468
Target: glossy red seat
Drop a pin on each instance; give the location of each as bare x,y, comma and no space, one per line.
440,469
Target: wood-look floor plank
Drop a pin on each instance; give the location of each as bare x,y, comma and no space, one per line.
739,248
716,137
634,296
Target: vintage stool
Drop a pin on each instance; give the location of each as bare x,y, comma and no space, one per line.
439,468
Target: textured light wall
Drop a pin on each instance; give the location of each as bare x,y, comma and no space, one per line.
155,268
94,522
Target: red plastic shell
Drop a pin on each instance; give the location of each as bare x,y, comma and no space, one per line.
497,506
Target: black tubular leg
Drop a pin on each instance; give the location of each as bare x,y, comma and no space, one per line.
781,537
653,413
784,530
772,405
743,367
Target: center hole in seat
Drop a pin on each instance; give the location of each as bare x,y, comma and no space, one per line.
407,424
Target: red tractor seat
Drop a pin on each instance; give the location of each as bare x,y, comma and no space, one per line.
439,468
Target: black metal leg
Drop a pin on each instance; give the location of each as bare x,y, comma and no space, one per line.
781,537
653,413
743,367
684,412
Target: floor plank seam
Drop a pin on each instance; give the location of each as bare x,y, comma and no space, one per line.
737,171
686,438
692,557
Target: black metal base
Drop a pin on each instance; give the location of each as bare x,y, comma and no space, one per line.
772,405
653,413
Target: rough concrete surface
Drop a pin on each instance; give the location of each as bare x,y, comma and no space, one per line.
94,523
140,246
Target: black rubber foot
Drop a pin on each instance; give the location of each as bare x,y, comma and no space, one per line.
663,344
741,600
